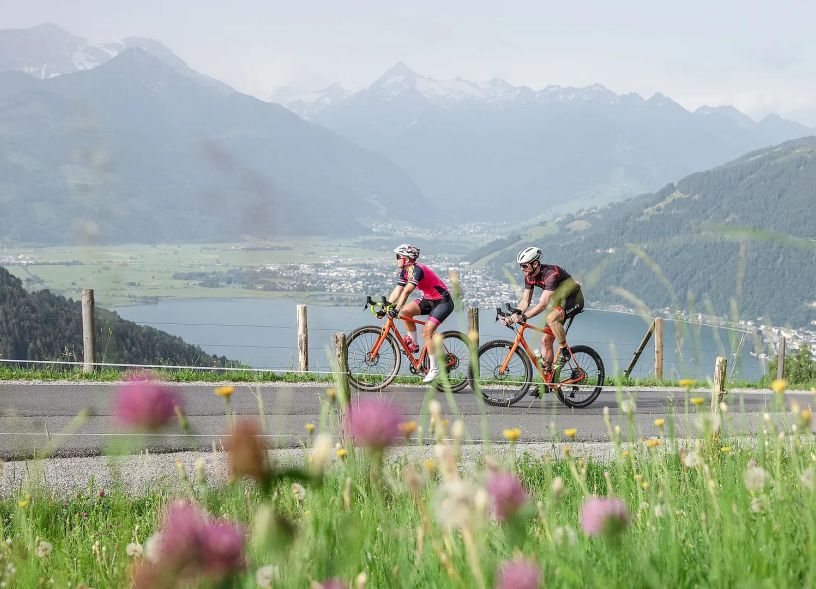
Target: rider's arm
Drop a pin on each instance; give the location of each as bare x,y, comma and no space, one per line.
403,296
395,294
540,305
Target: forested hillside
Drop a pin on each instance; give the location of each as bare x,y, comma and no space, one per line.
43,326
741,235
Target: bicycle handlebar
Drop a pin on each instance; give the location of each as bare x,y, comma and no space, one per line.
510,310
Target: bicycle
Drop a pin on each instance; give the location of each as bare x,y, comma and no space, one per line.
374,354
506,373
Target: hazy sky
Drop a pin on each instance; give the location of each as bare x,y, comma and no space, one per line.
758,56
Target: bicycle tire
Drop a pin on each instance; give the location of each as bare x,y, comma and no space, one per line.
590,362
458,361
489,383
357,347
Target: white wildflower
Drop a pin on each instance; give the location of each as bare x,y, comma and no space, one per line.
152,547
707,422
808,478
628,406
755,479
134,549
558,489
44,548
459,504
266,575
757,505
565,536
660,510
321,453
299,491
691,460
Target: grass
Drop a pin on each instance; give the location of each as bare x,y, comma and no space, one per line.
711,522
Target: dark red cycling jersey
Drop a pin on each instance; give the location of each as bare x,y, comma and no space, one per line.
549,277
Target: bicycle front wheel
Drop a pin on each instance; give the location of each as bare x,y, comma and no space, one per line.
501,387
581,380
367,371
456,360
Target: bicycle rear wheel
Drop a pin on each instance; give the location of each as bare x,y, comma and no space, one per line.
456,358
367,372
581,380
496,387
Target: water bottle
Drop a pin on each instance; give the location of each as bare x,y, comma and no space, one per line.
537,354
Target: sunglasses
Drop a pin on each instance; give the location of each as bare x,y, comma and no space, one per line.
527,265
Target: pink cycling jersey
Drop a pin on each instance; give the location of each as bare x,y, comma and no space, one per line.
424,279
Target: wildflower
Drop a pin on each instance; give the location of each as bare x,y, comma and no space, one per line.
625,453
247,452
225,391
265,576
152,547
805,416
222,545
145,405
707,422
373,423
628,406
331,393
200,470
779,386
808,478
44,548
512,435
310,427
558,489
460,504
565,536
320,454
24,502
341,452
435,410
756,505
697,401
458,430
332,583
755,479
686,383
567,450
134,550
660,510
571,433
653,443
429,464
299,491
407,428
659,422
606,516
507,494
518,574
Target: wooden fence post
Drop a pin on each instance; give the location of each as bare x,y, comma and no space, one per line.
780,358
341,378
88,331
639,350
473,326
302,339
658,323
718,394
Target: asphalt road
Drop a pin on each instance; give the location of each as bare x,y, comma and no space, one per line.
34,414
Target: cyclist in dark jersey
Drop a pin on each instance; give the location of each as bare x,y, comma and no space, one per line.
560,292
436,301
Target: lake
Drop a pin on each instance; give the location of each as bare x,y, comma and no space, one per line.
262,333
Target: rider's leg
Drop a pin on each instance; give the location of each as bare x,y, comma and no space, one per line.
411,310
428,331
438,311
547,348
555,321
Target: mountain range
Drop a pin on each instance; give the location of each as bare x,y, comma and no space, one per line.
471,145
738,240
141,150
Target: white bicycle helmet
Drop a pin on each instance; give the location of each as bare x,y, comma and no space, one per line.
406,250
528,254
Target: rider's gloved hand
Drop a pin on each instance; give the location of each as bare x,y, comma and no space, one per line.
380,313
514,318
393,312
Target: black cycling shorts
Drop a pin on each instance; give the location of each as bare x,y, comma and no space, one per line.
573,304
437,309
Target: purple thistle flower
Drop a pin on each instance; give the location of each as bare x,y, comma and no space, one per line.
604,516
183,526
518,574
333,583
222,547
507,494
146,405
373,423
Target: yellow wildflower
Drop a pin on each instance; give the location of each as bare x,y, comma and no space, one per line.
571,433
408,427
512,435
310,427
331,393
644,485
686,383
567,450
625,453
224,391
725,449
430,464
696,401
653,443
779,386
805,416
24,502
659,422
341,452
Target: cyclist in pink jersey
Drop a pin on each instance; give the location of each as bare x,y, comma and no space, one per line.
436,301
